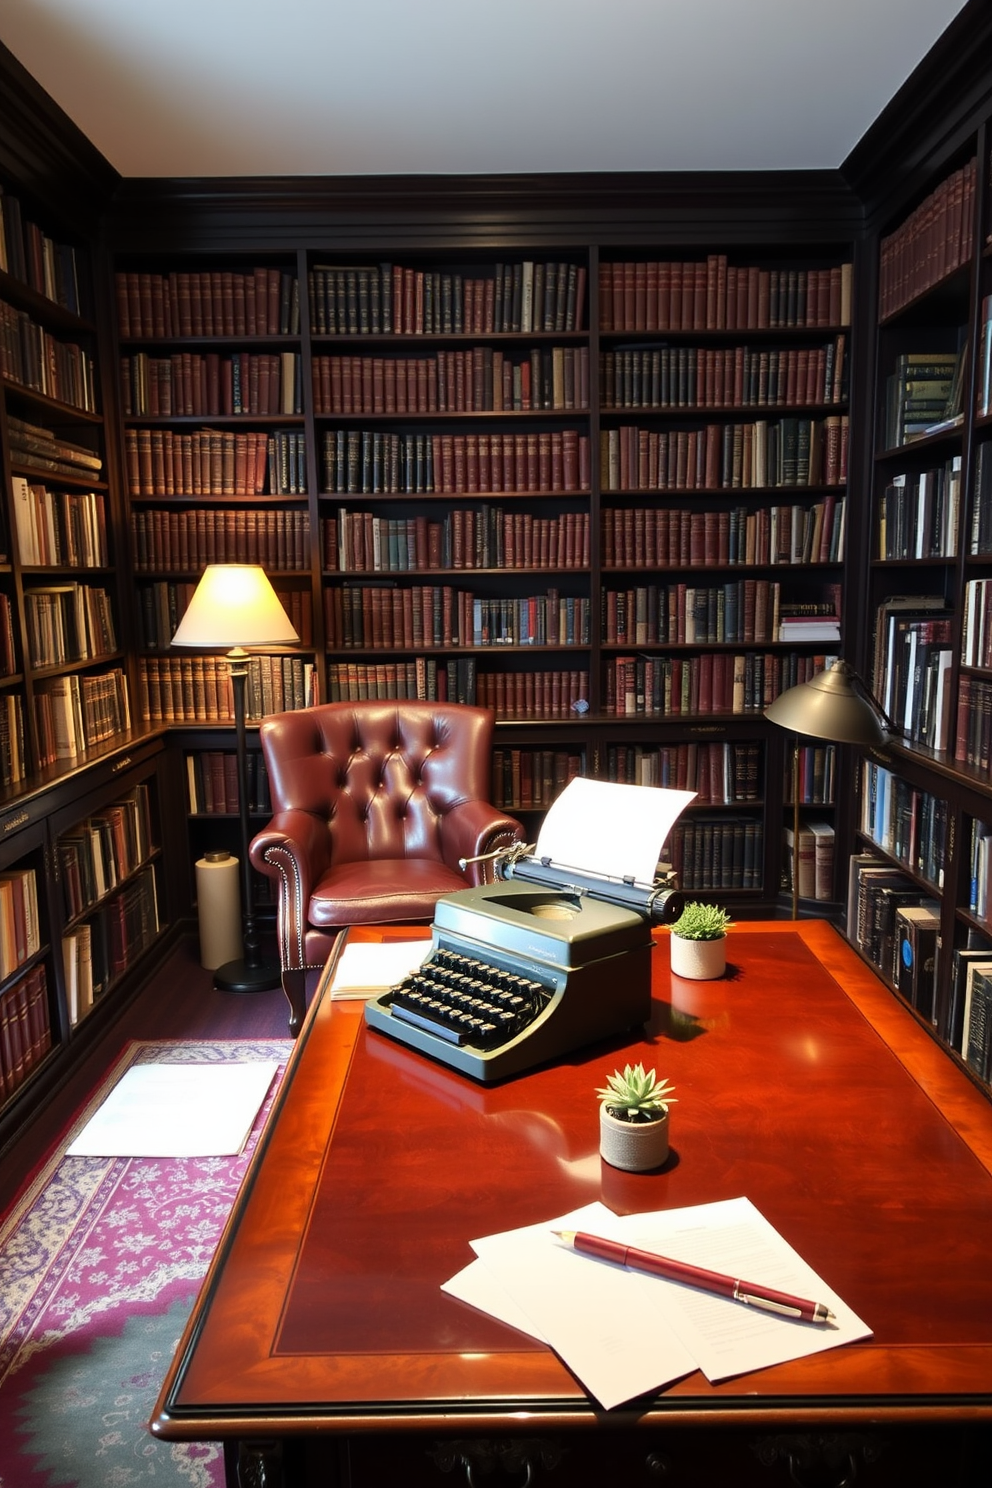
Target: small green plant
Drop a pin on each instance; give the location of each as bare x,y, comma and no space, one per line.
637,1094
702,922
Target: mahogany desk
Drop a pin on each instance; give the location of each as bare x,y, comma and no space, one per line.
322,1343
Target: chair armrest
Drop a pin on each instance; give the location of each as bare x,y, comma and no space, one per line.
472,829
295,850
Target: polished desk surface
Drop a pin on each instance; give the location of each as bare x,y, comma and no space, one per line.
802,1083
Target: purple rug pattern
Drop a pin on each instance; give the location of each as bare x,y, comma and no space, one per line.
100,1261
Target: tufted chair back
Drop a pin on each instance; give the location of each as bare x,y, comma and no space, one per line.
374,804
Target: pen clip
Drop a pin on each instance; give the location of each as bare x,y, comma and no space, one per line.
781,1308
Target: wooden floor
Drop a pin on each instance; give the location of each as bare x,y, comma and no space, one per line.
179,1001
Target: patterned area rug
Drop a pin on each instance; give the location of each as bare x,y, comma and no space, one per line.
100,1262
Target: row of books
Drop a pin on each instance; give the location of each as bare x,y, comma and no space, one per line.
814,860
212,783
910,825
162,605
932,242
386,616
19,922
717,682
980,540
25,1029
718,377
918,514
479,379
187,539
747,610
13,759
215,462
722,457
687,537
97,952
541,695
877,892
466,537
8,647
722,773
922,395
97,854
394,299
963,1020
59,529
74,712
973,733
911,666
367,461
197,689
68,622
27,253
33,447
262,301
191,384
35,359
713,295
531,779
817,776
980,870
976,624
720,852
983,369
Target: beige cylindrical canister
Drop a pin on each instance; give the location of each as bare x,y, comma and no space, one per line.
218,902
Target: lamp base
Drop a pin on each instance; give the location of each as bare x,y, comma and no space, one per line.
237,976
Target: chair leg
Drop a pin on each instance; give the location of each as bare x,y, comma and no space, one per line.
294,984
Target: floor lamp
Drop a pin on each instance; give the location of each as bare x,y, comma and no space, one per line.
235,606
834,705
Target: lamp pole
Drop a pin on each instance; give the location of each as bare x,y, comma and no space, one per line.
251,974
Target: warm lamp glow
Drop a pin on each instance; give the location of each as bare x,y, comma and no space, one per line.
234,605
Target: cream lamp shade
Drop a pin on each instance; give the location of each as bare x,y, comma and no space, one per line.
234,605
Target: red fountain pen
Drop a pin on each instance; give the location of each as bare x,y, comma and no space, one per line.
783,1304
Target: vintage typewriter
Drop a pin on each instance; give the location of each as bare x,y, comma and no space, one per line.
526,969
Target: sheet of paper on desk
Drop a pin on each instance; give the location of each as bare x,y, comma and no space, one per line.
625,1333
601,827
366,968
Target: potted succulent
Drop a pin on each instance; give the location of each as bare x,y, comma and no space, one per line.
633,1119
699,942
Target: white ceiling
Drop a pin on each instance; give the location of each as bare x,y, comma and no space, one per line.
323,87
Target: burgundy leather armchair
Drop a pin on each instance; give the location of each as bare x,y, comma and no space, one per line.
374,803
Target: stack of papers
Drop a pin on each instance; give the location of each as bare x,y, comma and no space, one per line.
625,1333
365,969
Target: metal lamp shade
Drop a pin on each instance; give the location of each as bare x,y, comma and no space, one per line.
829,706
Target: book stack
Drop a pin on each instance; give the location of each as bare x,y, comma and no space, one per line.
188,540
531,779
740,377
255,302
35,448
30,255
391,299
917,514
25,1031
917,940
712,294
983,371
719,457
716,852
687,537
212,783
815,859
919,394
933,241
